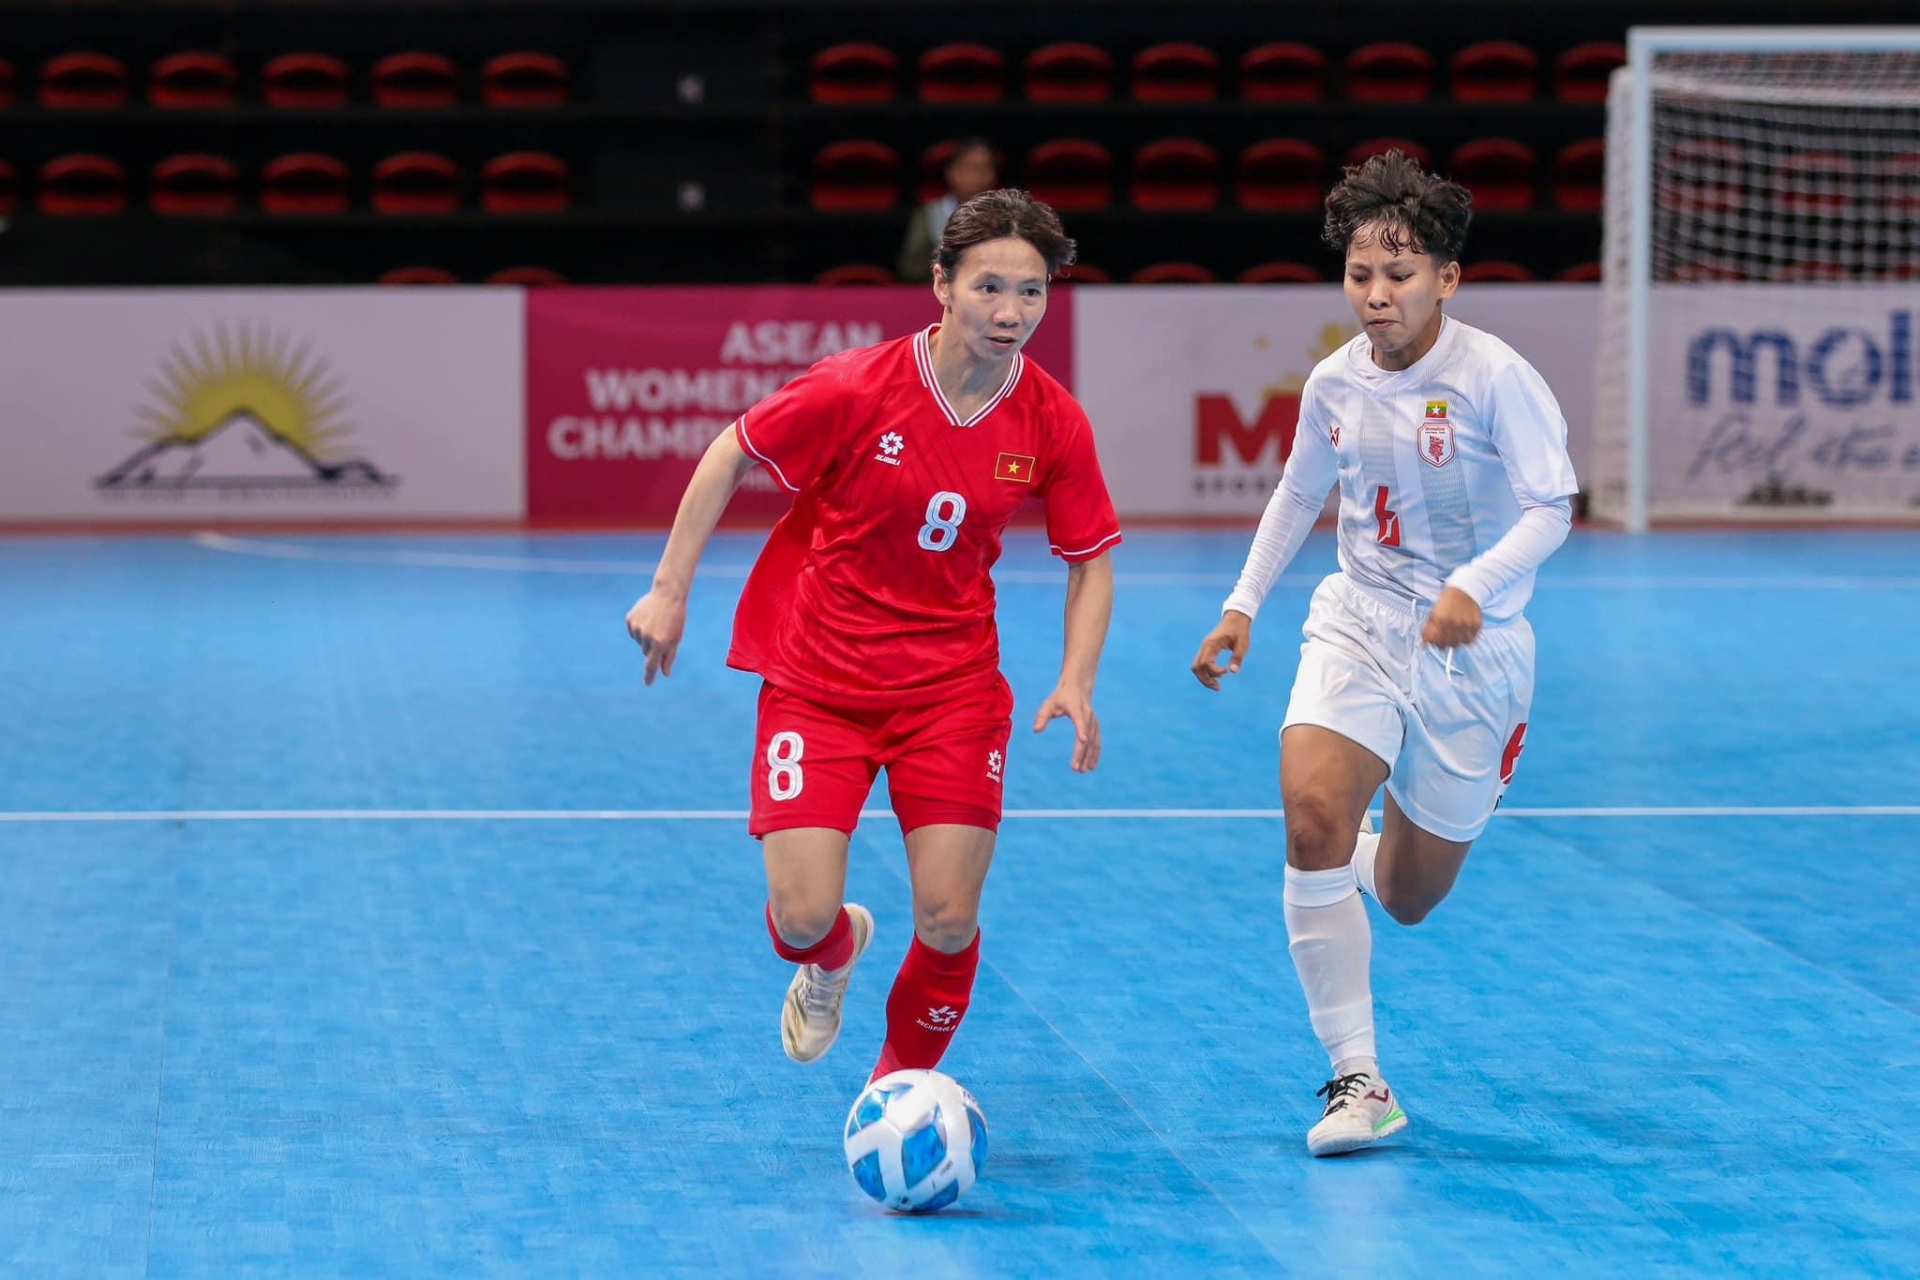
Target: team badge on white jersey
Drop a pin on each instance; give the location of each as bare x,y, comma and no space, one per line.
1436,435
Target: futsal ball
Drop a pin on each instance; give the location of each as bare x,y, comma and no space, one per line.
916,1140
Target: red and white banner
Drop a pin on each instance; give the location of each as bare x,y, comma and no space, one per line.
1194,392
261,404
627,387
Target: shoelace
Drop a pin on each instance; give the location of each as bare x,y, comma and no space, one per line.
820,992
1341,1090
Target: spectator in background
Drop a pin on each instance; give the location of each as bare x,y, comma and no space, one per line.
973,168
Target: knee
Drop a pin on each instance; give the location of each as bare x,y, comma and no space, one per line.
1406,909
800,923
945,924
1318,838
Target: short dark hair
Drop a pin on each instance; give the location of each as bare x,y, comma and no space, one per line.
1419,211
997,215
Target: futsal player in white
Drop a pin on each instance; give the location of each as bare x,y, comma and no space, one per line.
1417,670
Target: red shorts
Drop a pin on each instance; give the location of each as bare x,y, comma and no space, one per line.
813,766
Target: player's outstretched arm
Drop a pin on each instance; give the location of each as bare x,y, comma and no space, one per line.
1233,637
1089,610
659,618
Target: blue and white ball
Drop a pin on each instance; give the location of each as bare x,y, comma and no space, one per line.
916,1140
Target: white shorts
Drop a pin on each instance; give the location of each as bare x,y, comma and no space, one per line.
1448,723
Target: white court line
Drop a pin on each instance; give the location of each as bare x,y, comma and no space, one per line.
273,550
740,815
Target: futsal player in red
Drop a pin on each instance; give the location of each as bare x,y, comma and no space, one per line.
869,614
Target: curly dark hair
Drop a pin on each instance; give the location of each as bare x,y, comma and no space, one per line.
996,215
1417,210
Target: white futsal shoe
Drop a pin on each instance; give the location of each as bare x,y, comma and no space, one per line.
810,1019
1361,1110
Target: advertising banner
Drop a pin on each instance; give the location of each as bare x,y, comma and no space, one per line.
341,405
627,387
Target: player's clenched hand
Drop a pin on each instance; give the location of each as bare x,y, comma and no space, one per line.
1233,636
656,622
1077,706
1455,620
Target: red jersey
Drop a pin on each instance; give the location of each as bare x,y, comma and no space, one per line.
875,590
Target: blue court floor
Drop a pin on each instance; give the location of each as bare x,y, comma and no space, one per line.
364,915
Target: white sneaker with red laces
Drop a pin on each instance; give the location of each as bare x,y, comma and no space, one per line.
1361,1110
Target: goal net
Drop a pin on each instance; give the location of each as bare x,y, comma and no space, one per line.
1759,353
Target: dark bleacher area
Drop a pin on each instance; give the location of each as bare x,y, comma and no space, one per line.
735,141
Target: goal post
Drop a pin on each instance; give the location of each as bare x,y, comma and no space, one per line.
1759,352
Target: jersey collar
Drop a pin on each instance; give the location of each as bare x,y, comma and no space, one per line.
923,357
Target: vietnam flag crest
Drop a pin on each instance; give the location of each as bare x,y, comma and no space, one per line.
1017,467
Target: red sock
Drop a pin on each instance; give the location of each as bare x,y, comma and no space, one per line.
929,999
832,952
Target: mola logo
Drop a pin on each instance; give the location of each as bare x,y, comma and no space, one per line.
1844,368
244,410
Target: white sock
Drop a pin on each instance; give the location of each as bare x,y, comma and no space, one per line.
1365,849
1332,946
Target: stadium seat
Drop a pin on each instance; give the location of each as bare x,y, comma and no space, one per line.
8,83
856,72
9,190
1175,72
931,183
526,182
1581,73
530,277
1579,176
1174,273
856,273
1390,71
961,73
856,176
1280,173
304,184
1704,175
1582,273
1494,71
415,183
1071,174
418,275
1496,271
82,186
1280,273
1085,273
305,82
1071,71
193,81
1815,182
1900,183
1501,172
1283,71
524,78
1176,175
415,80
194,185
1360,152
83,81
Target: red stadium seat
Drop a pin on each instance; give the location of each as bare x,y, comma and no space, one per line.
856,273
1176,72
1283,71
193,81
1494,71
1281,173
1085,273
1582,273
8,84
305,81
856,176
1360,152
82,186
529,277
415,80
9,190
418,275
1703,175
1174,273
526,182
524,79
1280,273
414,183
961,73
1390,71
1901,183
1581,73
1579,176
304,184
1815,182
1069,72
194,185
83,81
1071,174
1176,175
1495,271
857,72
932,182
1501,173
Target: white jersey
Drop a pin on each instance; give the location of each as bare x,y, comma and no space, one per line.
1435,464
